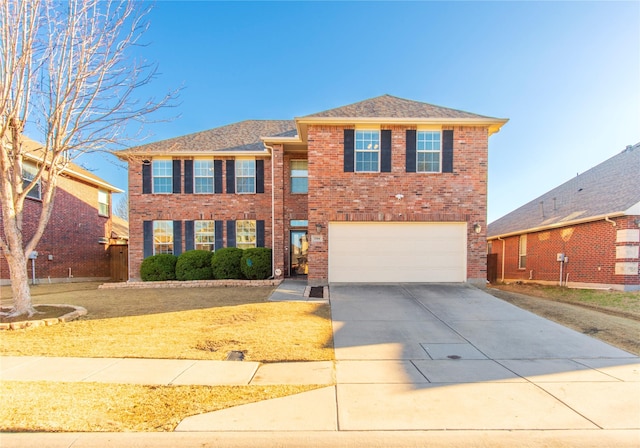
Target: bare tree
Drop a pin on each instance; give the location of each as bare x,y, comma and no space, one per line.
122,208
68,72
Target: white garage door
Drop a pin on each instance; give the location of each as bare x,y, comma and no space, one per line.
397,252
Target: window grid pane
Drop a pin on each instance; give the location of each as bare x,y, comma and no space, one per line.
428,151
29,171
162,237
205,236
245,234
162,176
367,151
299,176
103,203
245,176
203,176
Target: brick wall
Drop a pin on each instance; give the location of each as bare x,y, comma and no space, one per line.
339,196
71,237
186,207
591,248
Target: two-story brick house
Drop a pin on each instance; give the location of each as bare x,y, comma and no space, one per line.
383,190
76,241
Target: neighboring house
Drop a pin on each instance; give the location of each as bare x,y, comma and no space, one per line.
75,244
584,233
383,190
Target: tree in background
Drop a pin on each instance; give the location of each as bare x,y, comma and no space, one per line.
68,71
122,208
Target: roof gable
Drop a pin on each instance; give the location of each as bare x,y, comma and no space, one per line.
610,188
391,106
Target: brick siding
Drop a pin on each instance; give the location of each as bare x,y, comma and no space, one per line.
71,236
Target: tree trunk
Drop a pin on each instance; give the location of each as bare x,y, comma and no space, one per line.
20,285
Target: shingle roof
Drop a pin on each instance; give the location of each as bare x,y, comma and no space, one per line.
391,106
606,189
240,136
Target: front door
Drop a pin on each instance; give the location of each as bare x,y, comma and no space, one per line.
299,250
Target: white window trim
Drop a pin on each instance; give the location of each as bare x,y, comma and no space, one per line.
247,245
245,159
522,251
106,195
153,176
291,176
356,151
212,244
213,183
170,243
423,151
27,180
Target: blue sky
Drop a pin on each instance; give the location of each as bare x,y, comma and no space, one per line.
566,74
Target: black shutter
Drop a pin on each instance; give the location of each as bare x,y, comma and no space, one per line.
411,151
176,176
218,235
260,233
188,176
385,151
177,237
349,148
189,233
259,176
231,234
146,178
447,151
217,176
147,238
231,176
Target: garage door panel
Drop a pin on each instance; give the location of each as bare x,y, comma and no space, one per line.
397,252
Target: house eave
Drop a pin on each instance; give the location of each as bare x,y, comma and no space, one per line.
493,124
557,225
124,155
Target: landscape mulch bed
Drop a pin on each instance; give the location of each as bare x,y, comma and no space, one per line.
43,312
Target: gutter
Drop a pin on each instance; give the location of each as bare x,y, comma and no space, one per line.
558,225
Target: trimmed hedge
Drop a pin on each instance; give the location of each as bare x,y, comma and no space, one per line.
256,263
226,263
194,265
157,268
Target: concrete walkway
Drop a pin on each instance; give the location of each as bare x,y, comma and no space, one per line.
416,365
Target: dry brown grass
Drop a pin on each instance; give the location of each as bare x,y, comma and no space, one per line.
193,323
72,407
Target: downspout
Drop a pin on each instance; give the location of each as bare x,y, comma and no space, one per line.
503,243
606,218
273,216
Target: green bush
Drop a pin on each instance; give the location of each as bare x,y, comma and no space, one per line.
194,265
226,263
256,263
158,268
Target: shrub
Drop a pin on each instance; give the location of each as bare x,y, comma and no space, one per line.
256,263
158,268
194,265
226,263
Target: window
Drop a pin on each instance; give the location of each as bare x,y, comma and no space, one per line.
299,223
205,235
522,252
29,171
245,234
203,176
299,176
367,151
162,176
103,202
428,151
245,176
162,237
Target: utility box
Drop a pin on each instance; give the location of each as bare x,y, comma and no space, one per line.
33,255
560,257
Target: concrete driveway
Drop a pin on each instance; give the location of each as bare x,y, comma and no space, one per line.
450,356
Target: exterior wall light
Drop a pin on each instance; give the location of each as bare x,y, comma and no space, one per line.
318,228
477,227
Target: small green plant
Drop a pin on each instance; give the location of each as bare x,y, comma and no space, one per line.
256,263
157,268
194,265
226,263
